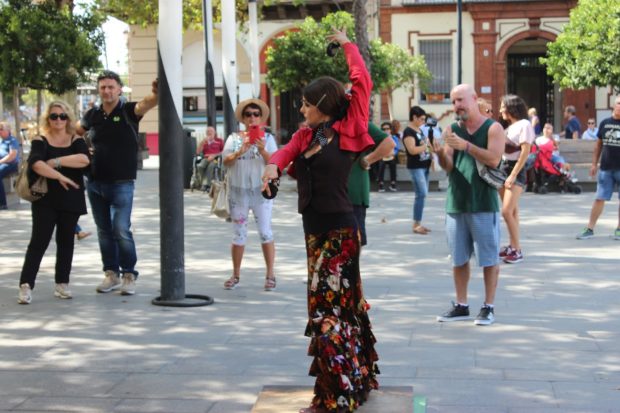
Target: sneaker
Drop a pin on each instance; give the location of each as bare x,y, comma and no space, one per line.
617,234
485,317
62,291
381,187
504,251
514,257
129,284
456,313
109,283
25,294
393,188
587,233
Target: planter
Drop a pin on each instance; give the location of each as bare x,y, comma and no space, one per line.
434,97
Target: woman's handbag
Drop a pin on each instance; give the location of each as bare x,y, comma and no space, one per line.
219,193
494,177
26,191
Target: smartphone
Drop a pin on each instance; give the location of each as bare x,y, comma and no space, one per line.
256,133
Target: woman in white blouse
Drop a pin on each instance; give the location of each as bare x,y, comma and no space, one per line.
519,138
245,155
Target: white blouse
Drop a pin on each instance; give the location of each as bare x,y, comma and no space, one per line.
246,172
519,132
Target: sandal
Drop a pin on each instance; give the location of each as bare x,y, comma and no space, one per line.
231,283
270,283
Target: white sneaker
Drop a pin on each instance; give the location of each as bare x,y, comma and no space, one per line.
62,291
109,283
25,294
129,284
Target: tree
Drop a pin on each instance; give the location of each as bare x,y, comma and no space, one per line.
587,52
299,56
47,47
146,12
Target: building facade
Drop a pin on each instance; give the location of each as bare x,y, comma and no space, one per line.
502,42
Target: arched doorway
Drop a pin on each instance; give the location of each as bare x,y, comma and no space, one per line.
527,77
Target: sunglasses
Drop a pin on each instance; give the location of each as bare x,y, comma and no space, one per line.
248,114
61,116
386,128
590,123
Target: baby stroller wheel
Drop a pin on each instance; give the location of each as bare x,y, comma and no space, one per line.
576,189
543,190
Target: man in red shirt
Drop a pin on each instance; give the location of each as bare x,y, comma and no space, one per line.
210,148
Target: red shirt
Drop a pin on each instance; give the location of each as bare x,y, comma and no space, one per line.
215,147
352,129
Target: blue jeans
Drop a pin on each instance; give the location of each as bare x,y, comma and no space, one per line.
419,177
111,204
5,170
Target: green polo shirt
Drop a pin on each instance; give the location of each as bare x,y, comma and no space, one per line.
359,180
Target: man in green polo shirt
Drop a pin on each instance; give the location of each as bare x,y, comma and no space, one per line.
359,181
472,206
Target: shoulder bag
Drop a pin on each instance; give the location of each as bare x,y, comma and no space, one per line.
494,177
24,190
219,193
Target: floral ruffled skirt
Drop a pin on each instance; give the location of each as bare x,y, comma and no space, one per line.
342,341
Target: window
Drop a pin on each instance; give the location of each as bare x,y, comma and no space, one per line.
438,56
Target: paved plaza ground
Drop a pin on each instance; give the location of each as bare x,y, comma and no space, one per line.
554,348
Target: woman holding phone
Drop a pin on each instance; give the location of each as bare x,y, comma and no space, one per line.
245,155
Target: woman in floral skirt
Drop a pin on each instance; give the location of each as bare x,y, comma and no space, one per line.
323,153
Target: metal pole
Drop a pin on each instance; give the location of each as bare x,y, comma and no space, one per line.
459,12
172,233
229,66
253,23
207,24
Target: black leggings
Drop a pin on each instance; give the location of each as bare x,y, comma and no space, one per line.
44,219
392,165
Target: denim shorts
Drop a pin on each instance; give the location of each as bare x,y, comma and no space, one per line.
606,183
473,232
521,179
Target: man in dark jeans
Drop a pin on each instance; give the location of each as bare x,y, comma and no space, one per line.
9,158
113,130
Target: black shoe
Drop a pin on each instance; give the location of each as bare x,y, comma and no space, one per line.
456,313
485,317
393,188
381,187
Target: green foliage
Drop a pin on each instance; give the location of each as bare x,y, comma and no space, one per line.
587,52
393,67
299,56
43,47
146,12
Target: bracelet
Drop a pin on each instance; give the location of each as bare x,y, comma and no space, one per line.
467,147
57,163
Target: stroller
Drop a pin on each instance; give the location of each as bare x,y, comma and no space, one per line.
550,176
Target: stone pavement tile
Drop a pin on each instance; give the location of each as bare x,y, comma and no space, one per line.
483,393
422,355
65,384
8,402
163,406
561,409
69,404
461,409
603,395
450,373
528,358
574,374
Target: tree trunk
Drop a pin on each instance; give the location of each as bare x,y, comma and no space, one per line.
360,16
39,102
361,29
17,113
